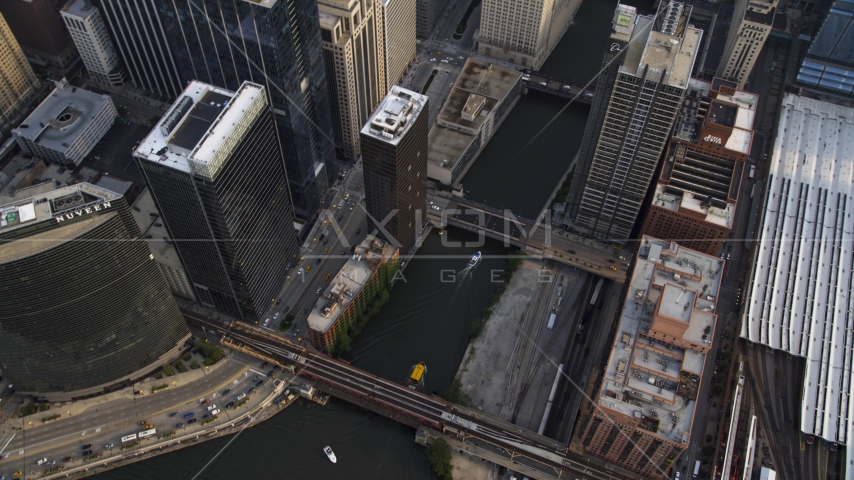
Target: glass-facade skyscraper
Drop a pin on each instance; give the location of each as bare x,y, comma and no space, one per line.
274,43
85,309
829,64
215,172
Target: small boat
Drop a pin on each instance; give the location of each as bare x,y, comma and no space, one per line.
474,259
416,378
330,454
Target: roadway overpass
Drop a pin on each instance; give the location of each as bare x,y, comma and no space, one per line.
483,435
536,238
558,87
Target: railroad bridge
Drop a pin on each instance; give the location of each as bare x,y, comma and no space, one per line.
475,432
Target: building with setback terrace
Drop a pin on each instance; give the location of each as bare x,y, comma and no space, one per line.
801,289
644,410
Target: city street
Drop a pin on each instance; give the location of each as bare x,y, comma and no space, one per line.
105,420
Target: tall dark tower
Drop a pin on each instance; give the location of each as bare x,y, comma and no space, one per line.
394,152
275,43
85,308
215,171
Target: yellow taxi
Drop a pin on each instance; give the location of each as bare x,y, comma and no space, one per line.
327,276
613,268
308,268
326,250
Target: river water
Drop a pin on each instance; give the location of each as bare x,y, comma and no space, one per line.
429,315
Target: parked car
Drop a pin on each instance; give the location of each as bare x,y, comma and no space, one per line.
86,447
226,391
173,414
189,415
179,425
260,382
108,446
66,459
215,412
229,404
192,420
211,407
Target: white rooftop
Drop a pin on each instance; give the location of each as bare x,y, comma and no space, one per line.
398,110
201,129
672,48
801,294
694,203
62,117
649,379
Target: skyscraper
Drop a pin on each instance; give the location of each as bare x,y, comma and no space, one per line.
649,86
750,27
40,30
215,171
829,63
398,18
354,59
394,153
85,309
89,33
18,83
427,13
140,41
275,43
524,33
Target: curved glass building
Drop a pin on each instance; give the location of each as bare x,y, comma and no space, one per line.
84,308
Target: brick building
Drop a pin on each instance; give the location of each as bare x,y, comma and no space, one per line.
346,301
644,410
695,198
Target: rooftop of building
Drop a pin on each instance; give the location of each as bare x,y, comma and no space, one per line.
396,113
691,202
195,135
801,278
153,231
80,8
349,281
62,117
46,202
761,13
478,89
668,45
717,104
262,3
653,381
623,22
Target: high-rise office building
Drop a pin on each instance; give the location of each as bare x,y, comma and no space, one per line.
643,415
523,32
275,43
89,33
829,64
394,158
215,171
85,309
748,31
140,41
633,129
18,83
695,200
354,59
427,13
398,38
40,30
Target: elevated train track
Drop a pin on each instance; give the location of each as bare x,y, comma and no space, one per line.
413,408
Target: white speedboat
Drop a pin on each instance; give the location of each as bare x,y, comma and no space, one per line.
330,454
474,259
